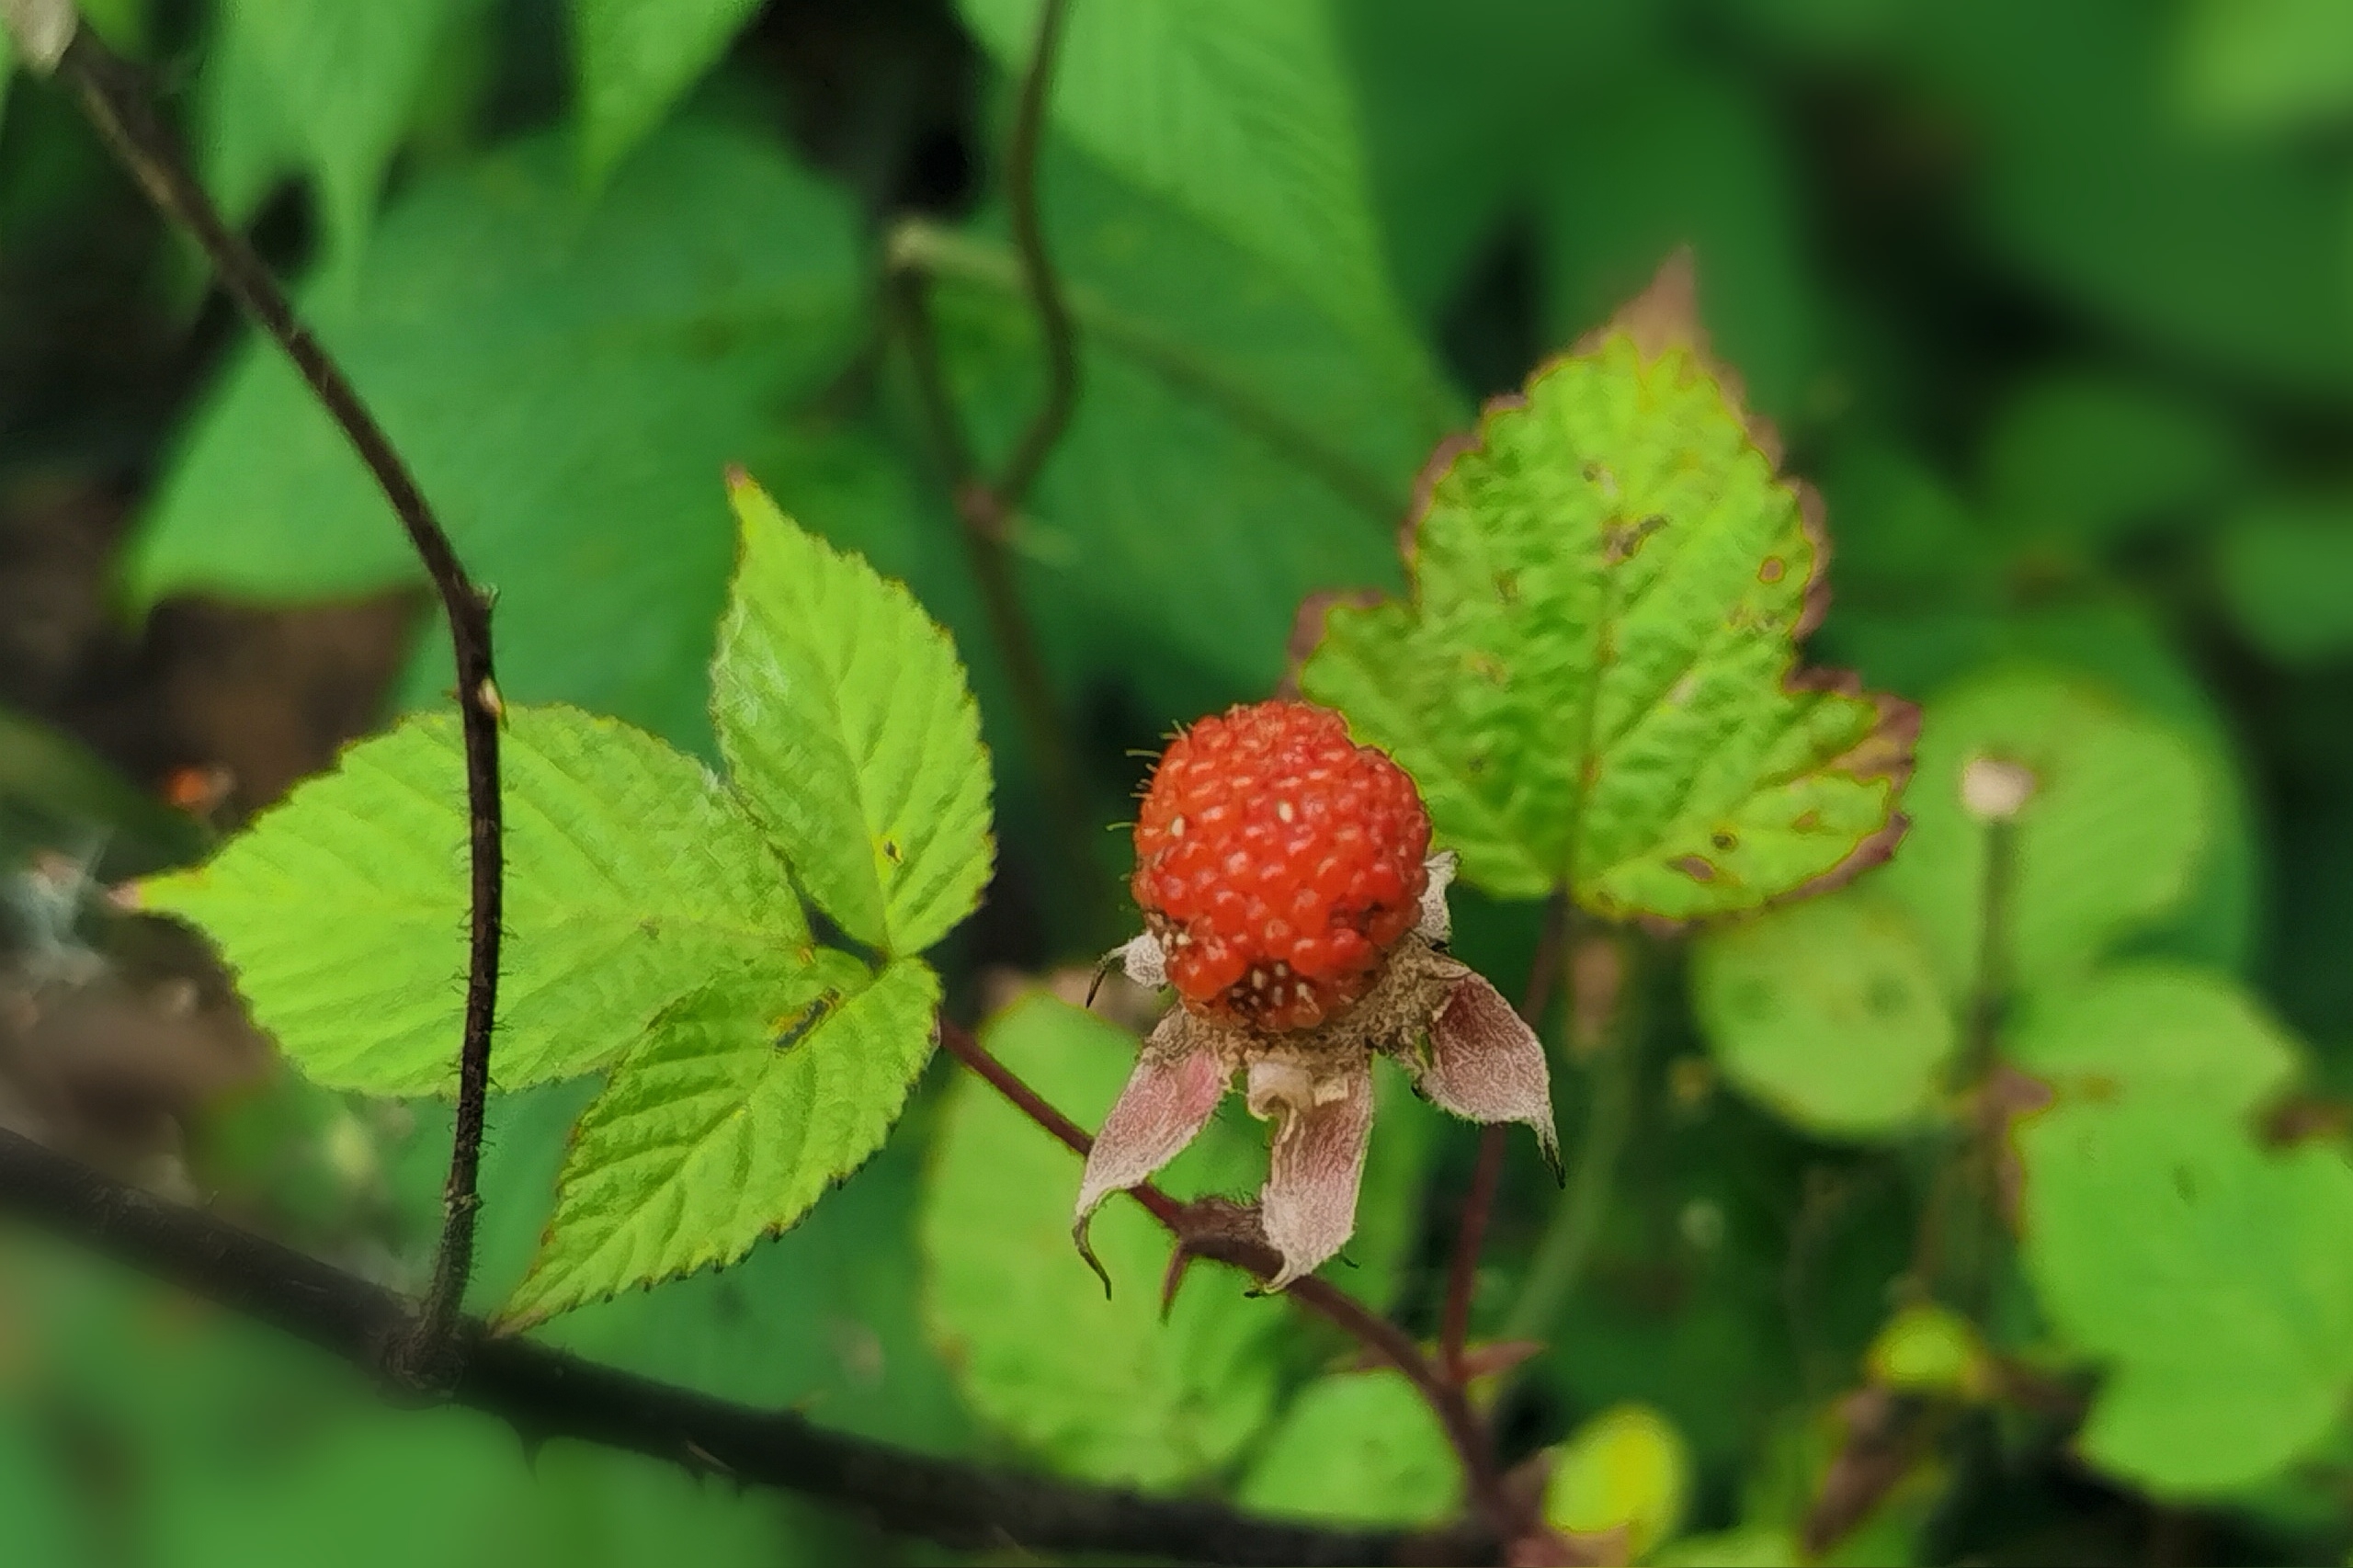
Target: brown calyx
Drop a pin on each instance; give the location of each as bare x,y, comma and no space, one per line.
1407,990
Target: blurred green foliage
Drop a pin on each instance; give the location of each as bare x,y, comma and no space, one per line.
2054,302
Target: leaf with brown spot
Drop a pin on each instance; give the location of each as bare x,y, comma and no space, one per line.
1630,721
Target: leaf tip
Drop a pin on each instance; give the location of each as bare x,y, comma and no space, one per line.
1663,318
1307,629
753,507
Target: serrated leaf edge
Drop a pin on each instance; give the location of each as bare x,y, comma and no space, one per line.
509,1321
1661,320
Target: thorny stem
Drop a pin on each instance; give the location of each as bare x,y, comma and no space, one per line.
1470,1235
1576,1225
544,1392
987,510
1473,1445
117,108
1478,1204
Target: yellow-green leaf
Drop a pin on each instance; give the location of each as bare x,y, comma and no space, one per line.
847,726
1595,678
741,1105
633,878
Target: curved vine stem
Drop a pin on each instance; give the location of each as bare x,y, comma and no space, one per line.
1478,1204
1038,276
1472,1443
117,108
544,1392
987,509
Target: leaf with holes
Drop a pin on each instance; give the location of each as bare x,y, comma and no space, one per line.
632,877
730,1117
847,725
1594,679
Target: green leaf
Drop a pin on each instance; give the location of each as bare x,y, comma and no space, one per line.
1829,1011
2209,1275
1750,1545
730,1117
2124,649
1926,1348
823,1319
2109,843
1237,111
2266,65
35,1487
2155,1030
2285,567
1101,1388
632,877
1626,1468
2091,456
346,80
568,381
2087,182
1916,541
635,58
1219,394
848,728
1594,679
243,142
1358,1449
1456,101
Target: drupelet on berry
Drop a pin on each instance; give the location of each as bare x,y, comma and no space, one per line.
1290,900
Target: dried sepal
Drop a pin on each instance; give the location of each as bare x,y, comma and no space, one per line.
1323,1125
1486,1064
1179,1079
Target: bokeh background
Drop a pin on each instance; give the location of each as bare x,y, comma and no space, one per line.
2053,300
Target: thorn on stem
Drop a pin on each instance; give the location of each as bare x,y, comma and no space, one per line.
1078,1239
1179,1262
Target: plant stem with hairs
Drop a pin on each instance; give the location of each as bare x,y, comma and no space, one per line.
1470,1229
117,108
544,1392
1606,1032
1472,1443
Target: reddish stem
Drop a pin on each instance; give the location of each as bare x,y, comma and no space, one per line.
1470,1236
962,1045
1472,1443
1478,1204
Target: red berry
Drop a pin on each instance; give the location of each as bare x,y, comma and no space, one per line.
1278,862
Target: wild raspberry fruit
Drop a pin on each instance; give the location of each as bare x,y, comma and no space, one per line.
1278,862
